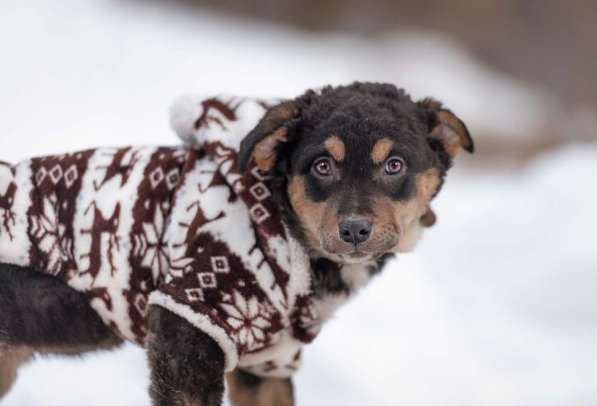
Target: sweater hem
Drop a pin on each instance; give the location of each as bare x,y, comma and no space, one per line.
203,322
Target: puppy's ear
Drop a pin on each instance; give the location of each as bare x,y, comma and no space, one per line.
447,128
429,218
261,144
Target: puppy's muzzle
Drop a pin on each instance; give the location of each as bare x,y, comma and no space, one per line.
355,231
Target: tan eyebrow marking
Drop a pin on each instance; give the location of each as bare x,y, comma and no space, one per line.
381,150
336,148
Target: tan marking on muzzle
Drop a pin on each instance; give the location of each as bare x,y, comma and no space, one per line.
381,150
309,212
426,184
396,225
408,214
404,217
335,146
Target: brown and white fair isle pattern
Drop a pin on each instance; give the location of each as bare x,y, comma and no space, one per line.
177,227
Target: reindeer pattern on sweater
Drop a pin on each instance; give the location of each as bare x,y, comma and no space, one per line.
179,227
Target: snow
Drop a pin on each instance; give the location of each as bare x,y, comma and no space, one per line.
75,72
495,307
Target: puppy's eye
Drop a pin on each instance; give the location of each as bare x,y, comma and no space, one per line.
322,167
394,165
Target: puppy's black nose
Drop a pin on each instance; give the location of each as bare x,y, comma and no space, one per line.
355,230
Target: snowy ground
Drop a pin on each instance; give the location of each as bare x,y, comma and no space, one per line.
497,305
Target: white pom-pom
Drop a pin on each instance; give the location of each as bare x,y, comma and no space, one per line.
184,112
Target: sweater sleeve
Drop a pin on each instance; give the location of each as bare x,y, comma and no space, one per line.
215,293
219,278
190,304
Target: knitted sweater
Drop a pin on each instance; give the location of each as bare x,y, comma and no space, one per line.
176,227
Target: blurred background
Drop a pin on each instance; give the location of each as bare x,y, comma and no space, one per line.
497,305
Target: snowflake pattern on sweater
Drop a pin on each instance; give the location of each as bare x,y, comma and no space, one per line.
177,227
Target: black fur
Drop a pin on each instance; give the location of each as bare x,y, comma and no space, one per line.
326,278
380,263
187,366
247,379
43,313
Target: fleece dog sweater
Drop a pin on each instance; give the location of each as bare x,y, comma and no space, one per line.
176,227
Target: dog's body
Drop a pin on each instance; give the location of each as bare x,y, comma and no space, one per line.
227,257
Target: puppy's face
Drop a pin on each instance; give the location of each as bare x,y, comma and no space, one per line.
359,197
362,164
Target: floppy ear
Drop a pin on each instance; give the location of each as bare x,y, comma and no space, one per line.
447,128
262,143
429,218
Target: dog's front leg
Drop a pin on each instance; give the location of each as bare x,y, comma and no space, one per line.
187,366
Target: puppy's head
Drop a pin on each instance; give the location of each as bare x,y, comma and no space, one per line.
360,165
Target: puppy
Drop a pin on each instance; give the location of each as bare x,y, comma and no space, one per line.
225,258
